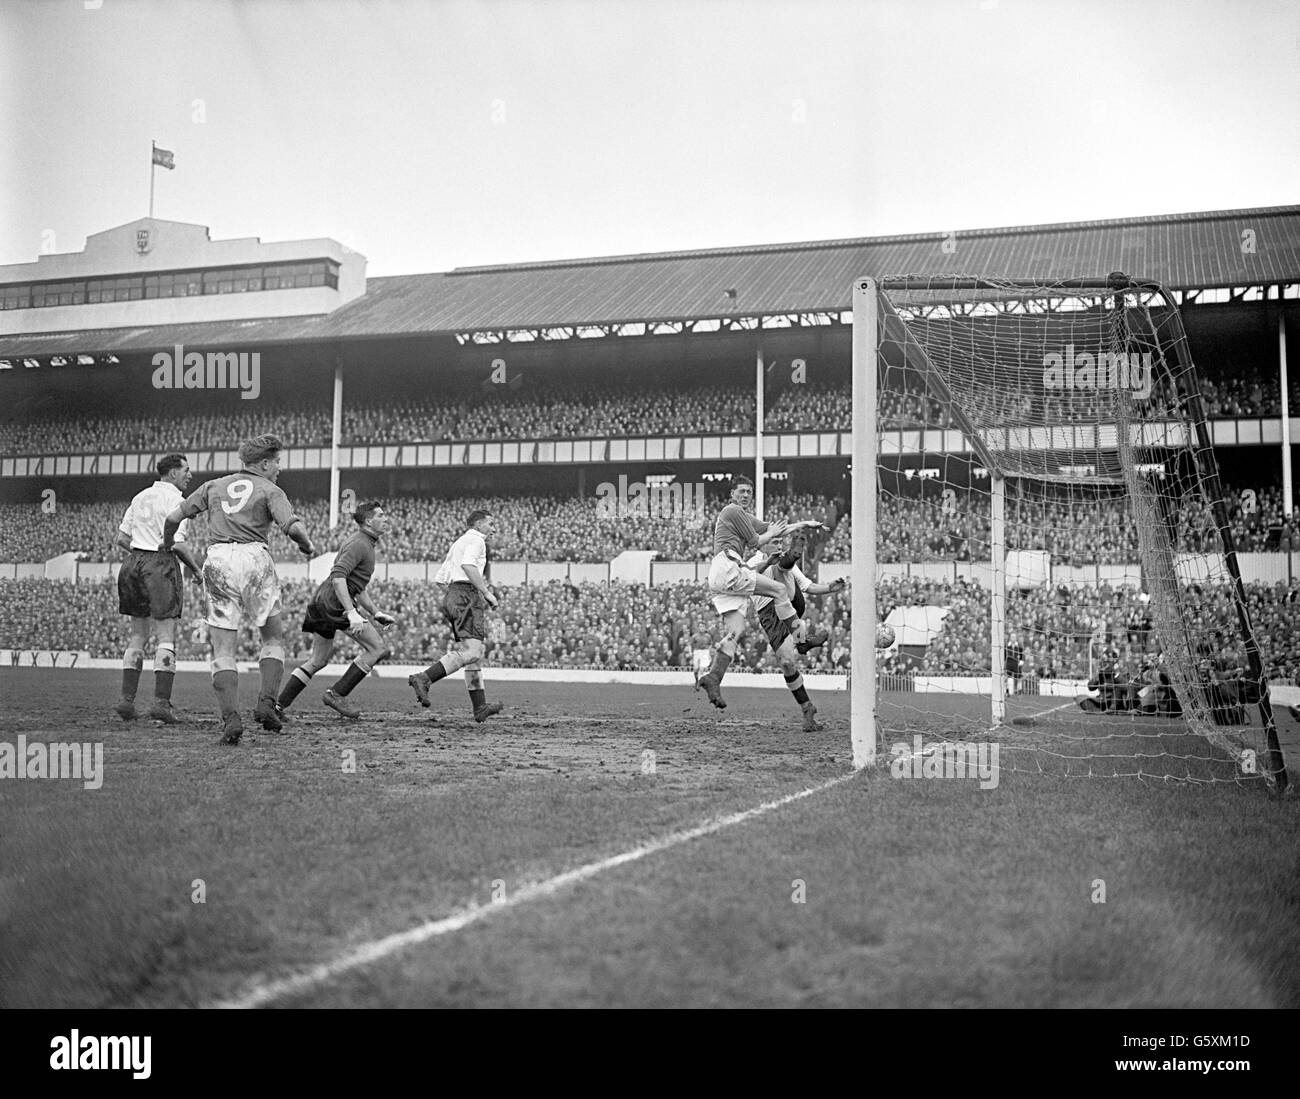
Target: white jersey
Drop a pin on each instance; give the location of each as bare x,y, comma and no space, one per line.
143,521
792,578
469,549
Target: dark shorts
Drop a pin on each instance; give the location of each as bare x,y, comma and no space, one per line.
149,585
324,620
776,630
466,610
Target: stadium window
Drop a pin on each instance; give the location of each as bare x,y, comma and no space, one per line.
137,292
302,280
318,279
239,285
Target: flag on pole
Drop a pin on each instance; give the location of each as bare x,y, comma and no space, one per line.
165,158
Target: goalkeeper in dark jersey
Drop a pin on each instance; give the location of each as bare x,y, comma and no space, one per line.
341,605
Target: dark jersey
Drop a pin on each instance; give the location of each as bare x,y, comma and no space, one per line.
736,531
241,508
355,564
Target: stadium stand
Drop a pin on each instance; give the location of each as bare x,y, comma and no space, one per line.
554,528
564,625
539,411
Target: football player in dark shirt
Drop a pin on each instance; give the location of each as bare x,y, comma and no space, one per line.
338,606
239,574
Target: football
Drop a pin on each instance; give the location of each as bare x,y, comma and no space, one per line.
884,636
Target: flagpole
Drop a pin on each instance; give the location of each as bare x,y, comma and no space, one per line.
153,168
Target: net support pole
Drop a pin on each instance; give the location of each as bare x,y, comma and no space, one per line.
1287,483
759,472
336,431
862,660
998,616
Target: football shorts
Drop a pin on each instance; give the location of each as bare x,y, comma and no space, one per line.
149,585
731,584
325,614
241,583
777,629
466,611
325,621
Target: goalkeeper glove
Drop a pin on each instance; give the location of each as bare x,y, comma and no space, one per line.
384,619
356,619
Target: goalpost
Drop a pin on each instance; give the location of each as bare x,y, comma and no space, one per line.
1033,481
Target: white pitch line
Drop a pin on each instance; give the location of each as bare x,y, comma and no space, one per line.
264,993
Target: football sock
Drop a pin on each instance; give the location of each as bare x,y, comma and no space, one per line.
795,683
478,698
164,672
444,667
132,663
272,672
349,679
721,662
298,679
226,685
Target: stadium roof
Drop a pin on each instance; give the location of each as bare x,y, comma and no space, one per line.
1219,249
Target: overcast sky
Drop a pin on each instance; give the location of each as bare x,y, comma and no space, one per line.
430,135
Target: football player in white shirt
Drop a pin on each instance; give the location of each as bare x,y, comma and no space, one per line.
149,587
465,607
784,569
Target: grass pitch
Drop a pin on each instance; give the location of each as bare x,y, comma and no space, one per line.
198,873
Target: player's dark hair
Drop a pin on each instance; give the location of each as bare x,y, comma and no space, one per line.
252,451
365,511
476,515
169,462
738,480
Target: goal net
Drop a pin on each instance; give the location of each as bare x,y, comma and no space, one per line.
1037,515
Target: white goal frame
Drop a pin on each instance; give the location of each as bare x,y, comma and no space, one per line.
869,325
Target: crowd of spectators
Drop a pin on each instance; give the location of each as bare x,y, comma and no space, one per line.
529,528
631,626
560,410
1076,528
1059,629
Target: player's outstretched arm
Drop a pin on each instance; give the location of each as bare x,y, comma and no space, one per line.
827,589
298,534
170,526
368,605
189,557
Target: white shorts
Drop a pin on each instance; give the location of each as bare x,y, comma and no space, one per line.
241,583
701,661
731,584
